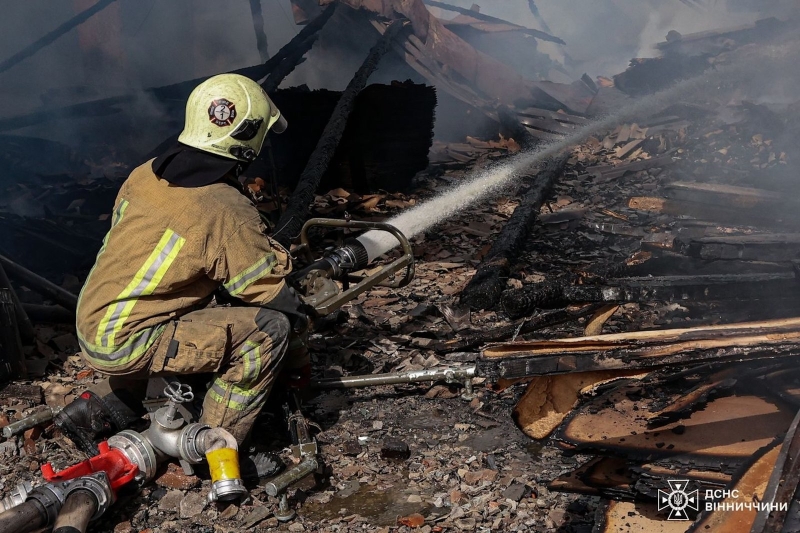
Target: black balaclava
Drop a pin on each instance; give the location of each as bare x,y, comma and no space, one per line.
185,166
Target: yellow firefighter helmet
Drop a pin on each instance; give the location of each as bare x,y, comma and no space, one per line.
229,115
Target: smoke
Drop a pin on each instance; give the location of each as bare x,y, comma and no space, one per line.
131,44
603,35
745,73
137,44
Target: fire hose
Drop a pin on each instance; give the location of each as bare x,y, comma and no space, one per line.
84,491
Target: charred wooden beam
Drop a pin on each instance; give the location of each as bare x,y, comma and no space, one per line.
538,16
258,27
767,247
484,289
39,284
521,302
488,18
12,358
289,225
529,325
23,321
293,52
50,37
643,349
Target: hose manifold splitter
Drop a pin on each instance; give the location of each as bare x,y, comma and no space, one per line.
126,457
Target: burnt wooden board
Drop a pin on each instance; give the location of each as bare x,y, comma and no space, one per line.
751,488
604,476
762,247
729,431
761,286
643,349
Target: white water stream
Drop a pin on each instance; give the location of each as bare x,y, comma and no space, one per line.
483,182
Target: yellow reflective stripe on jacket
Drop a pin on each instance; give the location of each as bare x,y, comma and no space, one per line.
116,217
144,283
134,347
119,212
250,275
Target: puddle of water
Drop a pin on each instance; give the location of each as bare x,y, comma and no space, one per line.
380,507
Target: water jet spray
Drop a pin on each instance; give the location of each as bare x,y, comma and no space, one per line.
486,181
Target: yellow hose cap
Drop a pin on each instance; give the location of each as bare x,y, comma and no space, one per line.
226,482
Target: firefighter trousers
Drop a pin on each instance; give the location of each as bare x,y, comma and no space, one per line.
243,347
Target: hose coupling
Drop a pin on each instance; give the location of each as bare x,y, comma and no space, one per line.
51,497
226,480
16,497
189,443
138,450
99,486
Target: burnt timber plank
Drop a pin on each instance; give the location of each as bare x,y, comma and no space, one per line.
782,483
722,212
529,325
484,289
548,125
488,18
565,118
761,247
644,349
731,195
520,302
617,171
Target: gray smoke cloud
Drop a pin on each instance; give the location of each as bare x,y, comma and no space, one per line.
140,44
136,44
603,35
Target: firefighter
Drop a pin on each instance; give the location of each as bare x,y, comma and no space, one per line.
182,230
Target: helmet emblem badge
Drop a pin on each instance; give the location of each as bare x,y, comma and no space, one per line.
222,112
